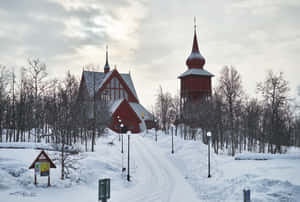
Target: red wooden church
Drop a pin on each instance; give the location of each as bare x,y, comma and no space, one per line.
118,91
195,83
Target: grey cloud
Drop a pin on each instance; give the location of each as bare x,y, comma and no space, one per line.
37,28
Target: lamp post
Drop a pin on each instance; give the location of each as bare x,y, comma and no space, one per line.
155,130
209,138
121,126
122,151
172,143
128,175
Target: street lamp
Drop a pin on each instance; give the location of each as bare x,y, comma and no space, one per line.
172,142
121,126
155,130
209,139
128,175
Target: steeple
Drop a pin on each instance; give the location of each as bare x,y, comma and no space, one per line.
195,60
106,66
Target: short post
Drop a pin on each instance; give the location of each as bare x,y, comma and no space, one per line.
104,190
49,181
34,178
209,137
246,195
128,175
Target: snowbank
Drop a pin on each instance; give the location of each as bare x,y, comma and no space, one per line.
266,156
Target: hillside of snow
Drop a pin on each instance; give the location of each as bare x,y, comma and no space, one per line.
156,174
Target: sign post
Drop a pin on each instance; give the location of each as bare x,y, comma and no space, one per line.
42,165
104,190
246,195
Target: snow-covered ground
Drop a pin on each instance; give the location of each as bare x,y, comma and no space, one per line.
276,179
156,174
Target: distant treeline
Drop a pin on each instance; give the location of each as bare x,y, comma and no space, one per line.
36,108
237,121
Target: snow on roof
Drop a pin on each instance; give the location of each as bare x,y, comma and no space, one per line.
139,109
101,78
128,80
113,106
107,75
90,77
194,71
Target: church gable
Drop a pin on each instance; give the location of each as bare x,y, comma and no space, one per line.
115,87
107,86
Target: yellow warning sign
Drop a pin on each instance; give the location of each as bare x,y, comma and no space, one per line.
45,168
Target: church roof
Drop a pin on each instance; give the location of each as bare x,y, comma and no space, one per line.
114,105
139,110
101,78
193,71
128,80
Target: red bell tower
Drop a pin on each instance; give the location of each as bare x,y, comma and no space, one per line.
195,83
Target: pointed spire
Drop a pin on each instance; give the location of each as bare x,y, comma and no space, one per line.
195,60
195,41
106,66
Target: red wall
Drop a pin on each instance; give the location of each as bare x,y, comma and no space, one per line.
128,117
196,83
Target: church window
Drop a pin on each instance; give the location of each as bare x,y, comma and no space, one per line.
117,94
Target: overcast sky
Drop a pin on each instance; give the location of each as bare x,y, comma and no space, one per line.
153,38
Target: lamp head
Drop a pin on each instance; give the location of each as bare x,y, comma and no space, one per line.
208,134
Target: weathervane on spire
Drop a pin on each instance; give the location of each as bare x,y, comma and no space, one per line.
195,24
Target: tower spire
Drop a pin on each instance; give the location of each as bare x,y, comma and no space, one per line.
106,66
195,60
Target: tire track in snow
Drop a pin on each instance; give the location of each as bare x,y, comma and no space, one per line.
163,182
156,177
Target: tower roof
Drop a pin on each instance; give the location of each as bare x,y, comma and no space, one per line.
195,60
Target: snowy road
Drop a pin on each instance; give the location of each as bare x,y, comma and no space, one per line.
157,178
